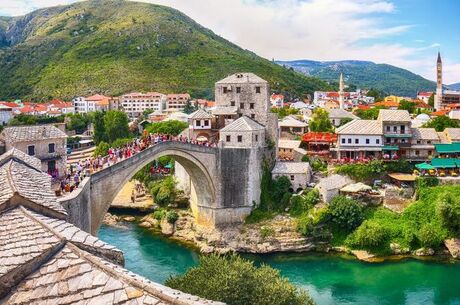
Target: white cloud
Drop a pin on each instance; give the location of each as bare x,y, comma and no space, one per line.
296,29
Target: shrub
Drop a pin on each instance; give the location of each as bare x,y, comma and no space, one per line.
429,236
422,182
121,142
258,215
172,127
448,210
237,281
159,214
369,235
172,216
318,165
347,213
102,149
305,225
302,203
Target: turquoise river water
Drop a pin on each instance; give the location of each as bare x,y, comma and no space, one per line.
329,279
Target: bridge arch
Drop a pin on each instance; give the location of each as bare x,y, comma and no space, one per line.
198,161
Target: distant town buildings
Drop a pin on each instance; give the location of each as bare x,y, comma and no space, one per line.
91,103
177,102
135,103
444,98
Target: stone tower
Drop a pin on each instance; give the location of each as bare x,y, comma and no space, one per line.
438,97
341,92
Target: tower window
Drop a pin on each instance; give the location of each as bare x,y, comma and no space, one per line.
238,89
225,89
232,103
227,138
257,89
51,148
240,139
241,105
31,150
251,106
253,116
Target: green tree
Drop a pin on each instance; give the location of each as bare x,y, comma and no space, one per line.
441,122
369,234
189,108
172,127
407,105
345,121
116,125
431,100
345,212
429,236
377,95
369,114
236,281
448,210
284,111
99,127
102,149
320,121
78,122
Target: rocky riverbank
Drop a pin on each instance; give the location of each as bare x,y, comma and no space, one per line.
276,235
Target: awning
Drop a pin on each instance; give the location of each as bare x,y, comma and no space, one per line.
444,162
390,147
447,148
354,188
424,166
403,177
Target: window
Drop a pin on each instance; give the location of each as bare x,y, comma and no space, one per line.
368,141
388,128
198,123
356,141
349,141
257,138
251,106
227,138
403,140
395,128
206,123
403,129
31,150
257,89
241,105
225,89
232,103
429,153
253,116
51,165
418,141
428,142
377,141
51,148
238,89
240,139
292,177
343,141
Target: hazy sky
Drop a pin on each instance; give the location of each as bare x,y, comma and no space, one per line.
405,33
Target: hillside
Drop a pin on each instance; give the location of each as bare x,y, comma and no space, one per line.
455,86
365,74
114,46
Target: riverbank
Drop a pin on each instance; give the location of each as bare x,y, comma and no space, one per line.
330,278
277,235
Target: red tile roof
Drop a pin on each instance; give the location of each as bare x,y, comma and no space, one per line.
9,104
96,97
326,137
428,94
439,112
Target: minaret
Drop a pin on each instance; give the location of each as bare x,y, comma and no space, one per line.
438,97
341,93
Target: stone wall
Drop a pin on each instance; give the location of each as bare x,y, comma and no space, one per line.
78,206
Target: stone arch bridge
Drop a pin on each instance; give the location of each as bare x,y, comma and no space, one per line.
225,183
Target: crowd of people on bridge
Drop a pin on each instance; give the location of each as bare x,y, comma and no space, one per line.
84,168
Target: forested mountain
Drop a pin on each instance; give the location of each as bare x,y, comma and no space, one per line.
115,46
365,74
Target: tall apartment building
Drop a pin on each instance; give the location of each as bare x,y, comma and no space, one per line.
177,102
135,103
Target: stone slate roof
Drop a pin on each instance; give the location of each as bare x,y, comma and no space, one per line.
239,78
32,133
200,114
453,133
333,182
46,260
291,168
19,155
340,114
424,134
387,115
291,144
223,110
243,124
19,180
291,122
361,127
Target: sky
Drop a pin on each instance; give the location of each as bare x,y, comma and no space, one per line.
404,33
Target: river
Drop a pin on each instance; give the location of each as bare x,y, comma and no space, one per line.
329,279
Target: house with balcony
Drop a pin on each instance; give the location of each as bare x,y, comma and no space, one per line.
45,142
397,134
423,144
200,125
358,140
